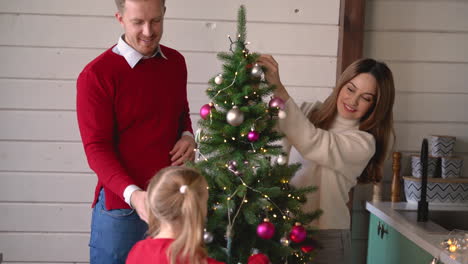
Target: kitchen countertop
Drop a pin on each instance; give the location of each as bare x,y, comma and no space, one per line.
416,231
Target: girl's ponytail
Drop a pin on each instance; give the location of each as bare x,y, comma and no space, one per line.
189,242
178,196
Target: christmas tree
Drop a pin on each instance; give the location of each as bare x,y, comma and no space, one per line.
251,207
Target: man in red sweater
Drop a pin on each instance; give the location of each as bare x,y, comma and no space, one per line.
134,120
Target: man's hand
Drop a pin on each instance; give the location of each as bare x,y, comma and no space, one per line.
138,201
183,151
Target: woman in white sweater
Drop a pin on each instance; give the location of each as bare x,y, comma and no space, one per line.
340,143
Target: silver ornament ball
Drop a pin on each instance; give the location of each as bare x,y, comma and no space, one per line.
235,117
198,135
218,207
207,237
284,241
281,160
219,79
257,71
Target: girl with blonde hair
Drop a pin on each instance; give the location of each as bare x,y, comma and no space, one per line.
176,202
340,142
177,207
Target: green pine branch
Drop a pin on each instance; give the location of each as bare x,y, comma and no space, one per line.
257,187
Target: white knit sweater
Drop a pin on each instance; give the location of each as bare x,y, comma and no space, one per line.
332,160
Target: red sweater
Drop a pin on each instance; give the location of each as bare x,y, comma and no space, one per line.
152,251
130,119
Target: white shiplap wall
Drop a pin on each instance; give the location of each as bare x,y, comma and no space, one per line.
424,42
45,183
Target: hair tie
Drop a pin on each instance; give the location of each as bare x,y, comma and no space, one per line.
183,188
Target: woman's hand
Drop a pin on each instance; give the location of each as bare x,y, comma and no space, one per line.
272,75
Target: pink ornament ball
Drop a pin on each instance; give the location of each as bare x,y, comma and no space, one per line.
205,111
253,136
265,230
298,234
276,102
232,165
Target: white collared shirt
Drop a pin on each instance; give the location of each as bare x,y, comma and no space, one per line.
131,55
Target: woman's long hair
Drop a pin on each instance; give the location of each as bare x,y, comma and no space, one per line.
184,211
378,121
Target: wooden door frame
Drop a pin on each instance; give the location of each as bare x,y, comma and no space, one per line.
351,33
350,46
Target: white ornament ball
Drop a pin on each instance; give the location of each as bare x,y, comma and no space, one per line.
219,79
281,160
257,71
235,117
282,114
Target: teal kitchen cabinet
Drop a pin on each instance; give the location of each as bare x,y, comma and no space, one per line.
388,246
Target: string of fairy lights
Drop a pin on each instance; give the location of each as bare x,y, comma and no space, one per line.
457,242
218,80
235,117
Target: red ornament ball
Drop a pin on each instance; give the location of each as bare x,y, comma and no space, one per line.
258,259
298,234
253,136
266,230
205,111
307,248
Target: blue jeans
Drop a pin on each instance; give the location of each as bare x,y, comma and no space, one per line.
113,233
